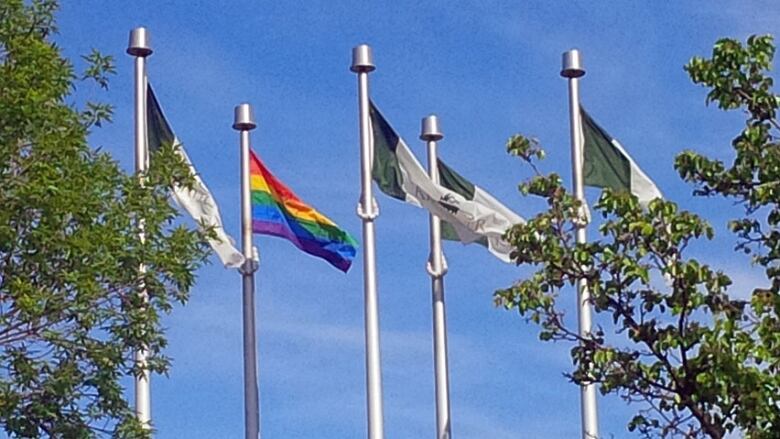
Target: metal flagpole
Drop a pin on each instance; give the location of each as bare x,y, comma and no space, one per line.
362,64
573,70
244,122
139,48
430,133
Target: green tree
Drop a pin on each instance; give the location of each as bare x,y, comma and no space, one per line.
71,314
697,360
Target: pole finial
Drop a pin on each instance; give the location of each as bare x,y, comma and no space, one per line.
139,42
572,64
362,59
244,118
430,128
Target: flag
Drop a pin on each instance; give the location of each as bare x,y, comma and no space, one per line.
455,182
277,211
607,165
197,201
469,214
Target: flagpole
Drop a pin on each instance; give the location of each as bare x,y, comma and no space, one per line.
573,70
362,64
244,122
138,47
430,133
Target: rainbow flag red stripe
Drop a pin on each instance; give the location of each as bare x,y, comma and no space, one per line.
277,211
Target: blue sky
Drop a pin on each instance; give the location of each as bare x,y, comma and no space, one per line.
489,69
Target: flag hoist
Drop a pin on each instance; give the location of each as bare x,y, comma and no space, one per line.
573,70
244,122
362,64
140,49
437,268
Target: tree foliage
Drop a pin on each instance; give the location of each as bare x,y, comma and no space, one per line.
699,361
71,313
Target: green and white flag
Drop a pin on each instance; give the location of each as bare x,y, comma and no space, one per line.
468,213
607,165
198,201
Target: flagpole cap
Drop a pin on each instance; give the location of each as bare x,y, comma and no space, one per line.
572,64
244,118
139,42
430,128
362,59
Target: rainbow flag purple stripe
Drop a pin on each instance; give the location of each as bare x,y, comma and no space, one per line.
277,211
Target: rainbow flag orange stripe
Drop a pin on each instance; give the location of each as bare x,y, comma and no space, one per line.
277,211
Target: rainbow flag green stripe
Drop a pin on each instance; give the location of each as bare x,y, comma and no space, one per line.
277,211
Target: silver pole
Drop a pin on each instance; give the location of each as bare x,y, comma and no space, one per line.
362,64
244,122
138,47
573,70
430,133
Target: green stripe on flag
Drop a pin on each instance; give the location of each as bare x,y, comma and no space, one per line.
385,170
448,233
159,131
454,181
604,165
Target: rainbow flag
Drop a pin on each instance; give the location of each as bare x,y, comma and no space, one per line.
277,211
